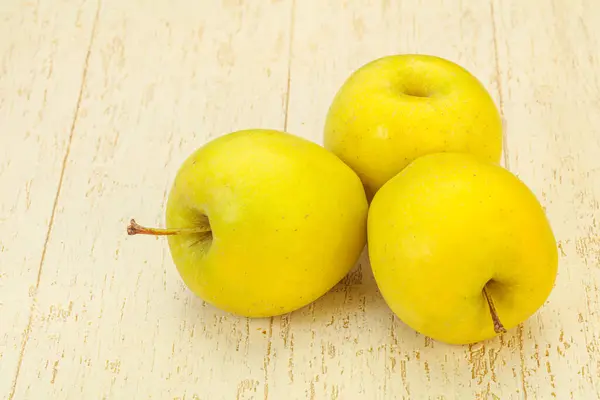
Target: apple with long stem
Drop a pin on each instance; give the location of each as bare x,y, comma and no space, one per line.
261,222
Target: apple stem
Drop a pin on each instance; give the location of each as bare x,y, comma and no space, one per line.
498,327
136,229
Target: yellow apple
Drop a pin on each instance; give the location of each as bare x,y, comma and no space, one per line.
262,222
461,249
397,108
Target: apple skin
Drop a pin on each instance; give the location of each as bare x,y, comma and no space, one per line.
400,107
288,221
449,225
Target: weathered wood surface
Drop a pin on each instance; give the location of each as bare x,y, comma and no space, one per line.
100,101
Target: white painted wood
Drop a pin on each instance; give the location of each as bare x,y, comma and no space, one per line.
43,48
548,61
110,317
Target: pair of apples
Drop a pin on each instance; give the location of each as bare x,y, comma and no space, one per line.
261,222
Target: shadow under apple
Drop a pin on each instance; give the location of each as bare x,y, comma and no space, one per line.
349,331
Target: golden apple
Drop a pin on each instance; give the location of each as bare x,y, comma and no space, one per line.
461,249
262,222
397,108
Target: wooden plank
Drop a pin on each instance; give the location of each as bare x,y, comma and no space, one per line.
353,346
113,319
548,61
43,50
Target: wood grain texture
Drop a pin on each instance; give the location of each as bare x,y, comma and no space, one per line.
550,88
87,312
43,49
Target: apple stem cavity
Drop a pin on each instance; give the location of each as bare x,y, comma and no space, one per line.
498,327
136,229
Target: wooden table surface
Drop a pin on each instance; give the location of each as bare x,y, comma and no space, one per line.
100,102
